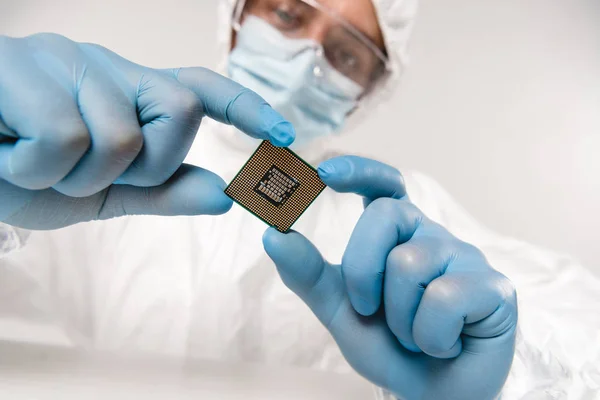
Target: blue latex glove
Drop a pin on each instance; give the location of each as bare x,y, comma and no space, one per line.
76,118
412,308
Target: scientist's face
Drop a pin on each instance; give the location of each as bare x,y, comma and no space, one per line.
311,60
348,31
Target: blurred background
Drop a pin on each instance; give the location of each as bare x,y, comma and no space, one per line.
501,103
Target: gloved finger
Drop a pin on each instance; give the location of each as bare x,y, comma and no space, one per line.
7,134
410,268
170,116
190,191
52,136
384,224
455,300
365,177
226,101
116,135
303,270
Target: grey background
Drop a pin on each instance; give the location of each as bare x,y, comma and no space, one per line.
501,104
37,372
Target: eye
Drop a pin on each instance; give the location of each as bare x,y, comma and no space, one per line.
345,61
286,19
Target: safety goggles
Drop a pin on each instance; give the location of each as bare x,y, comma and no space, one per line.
344,47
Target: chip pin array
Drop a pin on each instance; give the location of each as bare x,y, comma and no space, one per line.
276,185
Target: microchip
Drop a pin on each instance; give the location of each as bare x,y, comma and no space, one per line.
276,185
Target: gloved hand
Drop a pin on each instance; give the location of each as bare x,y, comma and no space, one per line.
413,309
76,118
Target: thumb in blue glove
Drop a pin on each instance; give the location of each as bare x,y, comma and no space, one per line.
413,309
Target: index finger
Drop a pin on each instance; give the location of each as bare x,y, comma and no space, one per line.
368,178
363,264
231,103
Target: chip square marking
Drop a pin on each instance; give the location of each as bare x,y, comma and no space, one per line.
276,185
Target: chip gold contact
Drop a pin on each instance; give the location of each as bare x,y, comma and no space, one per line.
276,185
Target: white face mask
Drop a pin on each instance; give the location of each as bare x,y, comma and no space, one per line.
293,76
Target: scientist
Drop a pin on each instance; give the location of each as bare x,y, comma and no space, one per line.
88,135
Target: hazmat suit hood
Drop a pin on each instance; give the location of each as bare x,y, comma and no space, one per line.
396,20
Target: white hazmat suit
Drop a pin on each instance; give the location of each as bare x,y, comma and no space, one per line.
203,286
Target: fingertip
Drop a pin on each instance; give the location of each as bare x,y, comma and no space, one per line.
282,134
196,191
221,205
291,251
276,243
278,130
217,203
363,282
435,352
325,171
336,172
227,101
369,178
413,348
270,238
363,306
